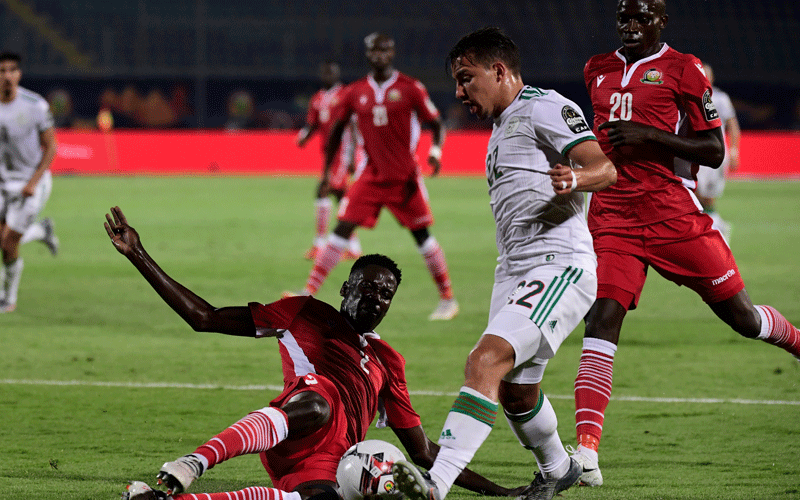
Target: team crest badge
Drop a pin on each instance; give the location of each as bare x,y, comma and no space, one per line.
574,120
652,76
513,125
394,95
363,100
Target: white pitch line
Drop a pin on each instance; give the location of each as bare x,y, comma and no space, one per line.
171,385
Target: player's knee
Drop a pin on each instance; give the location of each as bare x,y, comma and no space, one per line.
518,398
306,413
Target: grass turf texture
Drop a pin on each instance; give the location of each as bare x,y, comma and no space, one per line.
87,316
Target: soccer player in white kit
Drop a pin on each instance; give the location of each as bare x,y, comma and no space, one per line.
545,280
27,148
711,181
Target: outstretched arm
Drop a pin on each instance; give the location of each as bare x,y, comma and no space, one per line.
199,314
422,451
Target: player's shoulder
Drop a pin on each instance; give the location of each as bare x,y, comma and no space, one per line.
31,98
599,62
409,81
683,60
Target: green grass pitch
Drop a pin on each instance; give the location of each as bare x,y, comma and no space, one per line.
94,362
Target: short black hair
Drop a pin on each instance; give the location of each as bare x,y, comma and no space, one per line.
486,46
377,37
10,56
376,259
659,6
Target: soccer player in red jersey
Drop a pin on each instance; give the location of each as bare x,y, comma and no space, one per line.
389,107
338,374
655,120
346,162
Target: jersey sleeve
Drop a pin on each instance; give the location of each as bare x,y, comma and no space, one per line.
397,402
724,105
312,115
277,315
343,107
559,123
423,104
695,97
44,118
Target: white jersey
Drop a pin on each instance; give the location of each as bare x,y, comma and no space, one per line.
21,122
534,224
711,181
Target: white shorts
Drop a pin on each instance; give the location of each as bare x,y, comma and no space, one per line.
536,312
710,182
18,212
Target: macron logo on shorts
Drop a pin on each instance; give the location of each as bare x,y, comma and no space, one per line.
723,278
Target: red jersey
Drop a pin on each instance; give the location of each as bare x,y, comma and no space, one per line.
669,91
389,116
315,338
320,109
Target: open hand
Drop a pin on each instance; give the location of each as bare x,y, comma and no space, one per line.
123,237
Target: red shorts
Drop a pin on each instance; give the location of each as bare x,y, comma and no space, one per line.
340,174
313,457
406,200
684,250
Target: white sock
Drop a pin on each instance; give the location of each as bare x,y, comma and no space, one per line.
11,282
34,233
537,430
466,428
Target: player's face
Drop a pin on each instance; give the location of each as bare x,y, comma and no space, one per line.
329,74
368,293
639,25
477,86
381,54
10,75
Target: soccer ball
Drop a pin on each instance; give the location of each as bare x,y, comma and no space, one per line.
365,471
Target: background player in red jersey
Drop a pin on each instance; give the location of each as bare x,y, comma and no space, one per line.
655,120
389,107
347,159
337,374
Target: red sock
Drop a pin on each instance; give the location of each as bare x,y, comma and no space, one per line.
593,390
326,260
257,432
437,265
776,330
251,493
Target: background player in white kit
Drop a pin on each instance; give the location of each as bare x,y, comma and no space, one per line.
27,148
711,181
545,280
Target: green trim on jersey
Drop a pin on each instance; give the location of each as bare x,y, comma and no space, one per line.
528,93
575,142
553,294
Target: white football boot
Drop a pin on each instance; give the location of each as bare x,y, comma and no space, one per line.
178,475
590,470
446,310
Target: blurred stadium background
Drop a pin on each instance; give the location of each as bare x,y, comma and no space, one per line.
218,64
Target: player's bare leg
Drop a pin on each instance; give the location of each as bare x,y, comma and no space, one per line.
13,265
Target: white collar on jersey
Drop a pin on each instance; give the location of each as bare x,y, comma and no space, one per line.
380,88
627,73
